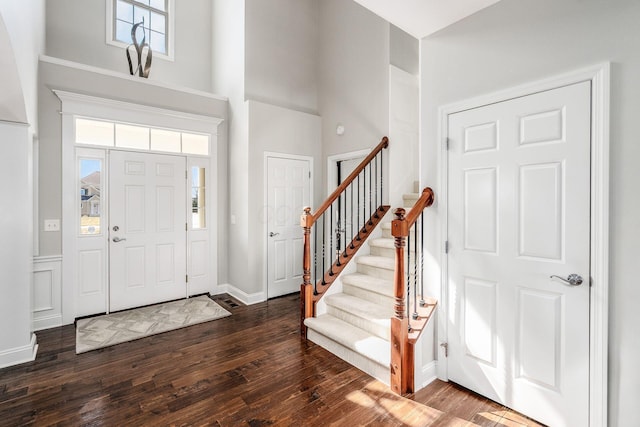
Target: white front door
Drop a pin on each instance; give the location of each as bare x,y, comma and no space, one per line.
519,186
147,236
288,192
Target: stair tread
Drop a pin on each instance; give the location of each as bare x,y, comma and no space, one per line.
352,337
377,261
364,309
369,283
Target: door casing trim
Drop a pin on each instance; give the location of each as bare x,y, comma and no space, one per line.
599,76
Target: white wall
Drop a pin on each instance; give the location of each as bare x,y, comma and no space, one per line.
518,41
21,41
24,21
76,32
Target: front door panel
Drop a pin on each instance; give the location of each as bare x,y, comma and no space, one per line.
147,229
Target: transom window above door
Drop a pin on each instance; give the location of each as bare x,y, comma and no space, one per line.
157,16
140,138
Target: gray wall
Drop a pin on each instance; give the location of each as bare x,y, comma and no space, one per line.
281,53
353,77
404,50
76,32
518,41
53,76
228,78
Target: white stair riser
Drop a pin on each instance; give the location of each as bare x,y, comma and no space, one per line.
363,363
364,294
381,251
381,273
390,252
382,329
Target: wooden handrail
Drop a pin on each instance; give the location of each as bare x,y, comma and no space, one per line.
402,348
384,143
310,294
400,227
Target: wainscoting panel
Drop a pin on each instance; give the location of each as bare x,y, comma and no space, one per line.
47,292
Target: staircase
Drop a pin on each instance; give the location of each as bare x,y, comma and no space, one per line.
357,324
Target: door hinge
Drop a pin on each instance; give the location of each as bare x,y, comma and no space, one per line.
445,346
186,278
446,247
186,226
186,175
309,174
445,144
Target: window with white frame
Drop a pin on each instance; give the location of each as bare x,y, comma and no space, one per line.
137,137
156,15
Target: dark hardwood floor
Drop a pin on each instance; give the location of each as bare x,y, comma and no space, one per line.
251,369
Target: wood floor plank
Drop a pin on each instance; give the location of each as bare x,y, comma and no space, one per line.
249,369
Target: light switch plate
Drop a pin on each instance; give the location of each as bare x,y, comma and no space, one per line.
51,225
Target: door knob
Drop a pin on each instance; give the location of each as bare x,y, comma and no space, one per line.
118,239
271,234
572,279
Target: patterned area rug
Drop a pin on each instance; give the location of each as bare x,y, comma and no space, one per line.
110,329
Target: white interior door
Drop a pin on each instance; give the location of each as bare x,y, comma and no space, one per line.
288,192
519,185
147,236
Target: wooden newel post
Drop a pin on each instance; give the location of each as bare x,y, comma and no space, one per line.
306,288
399,322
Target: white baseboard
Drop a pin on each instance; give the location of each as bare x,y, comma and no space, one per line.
242,296
18,355
47,322
429,373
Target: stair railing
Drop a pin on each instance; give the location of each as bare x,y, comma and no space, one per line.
353,209
411,309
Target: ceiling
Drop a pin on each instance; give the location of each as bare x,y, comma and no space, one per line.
423,17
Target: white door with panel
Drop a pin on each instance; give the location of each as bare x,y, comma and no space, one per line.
147,236
518,214
288,192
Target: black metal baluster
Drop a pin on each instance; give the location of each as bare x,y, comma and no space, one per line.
331,237
415,272
364,199
358,207
324,244
408,277
375,180
370,196
351,233
381,172
315,255
422,302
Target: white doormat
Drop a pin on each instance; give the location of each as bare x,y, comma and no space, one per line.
102,331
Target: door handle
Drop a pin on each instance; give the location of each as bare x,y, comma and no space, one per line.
572,279
118,239
271,234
